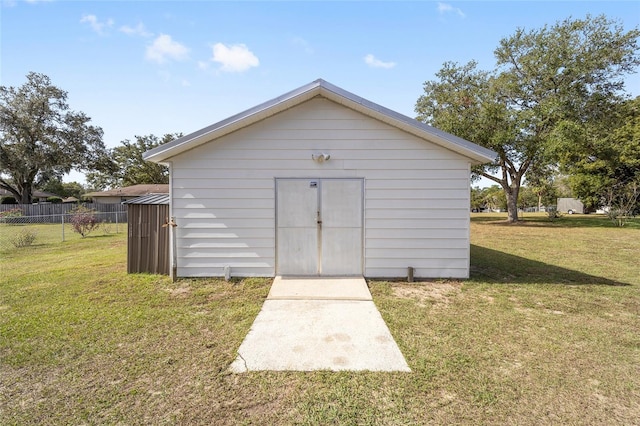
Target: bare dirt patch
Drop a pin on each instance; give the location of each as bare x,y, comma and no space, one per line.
428,293
180,291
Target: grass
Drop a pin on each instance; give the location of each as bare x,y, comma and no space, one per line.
545,332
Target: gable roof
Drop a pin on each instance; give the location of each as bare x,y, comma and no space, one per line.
327,90
151,199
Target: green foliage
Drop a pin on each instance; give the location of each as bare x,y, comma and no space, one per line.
83,220
8,199
126,166
40,138
553,213
24,238
603,157
546,82
64,189
8,214
54,200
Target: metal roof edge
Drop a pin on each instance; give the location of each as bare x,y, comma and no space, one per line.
332,92
236,118
443,138
152,199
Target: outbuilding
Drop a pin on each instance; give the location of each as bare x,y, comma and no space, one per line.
320,182
148,234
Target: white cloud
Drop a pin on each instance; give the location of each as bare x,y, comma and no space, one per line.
374,62
234,58
139,30
95,24
164,48
444,8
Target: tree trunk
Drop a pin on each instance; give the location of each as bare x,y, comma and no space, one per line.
512,203
25,193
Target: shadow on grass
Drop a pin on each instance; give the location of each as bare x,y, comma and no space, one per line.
494,266
565,221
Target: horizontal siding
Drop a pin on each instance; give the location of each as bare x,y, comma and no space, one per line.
416,184
415,224
218,271
242,193
228,244
416,203
416,193
415,213
415,262
221,253
225,213
335,163
228,183
409,233
300,152
212,204
393,244
315,170
219,234
419,272
406,253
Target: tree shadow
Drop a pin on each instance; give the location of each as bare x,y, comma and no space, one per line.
565,221
496,267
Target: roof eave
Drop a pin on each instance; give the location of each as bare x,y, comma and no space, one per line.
476,153
233,123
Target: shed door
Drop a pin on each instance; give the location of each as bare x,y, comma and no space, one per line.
319,226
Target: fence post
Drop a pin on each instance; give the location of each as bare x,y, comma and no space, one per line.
62,222
117,230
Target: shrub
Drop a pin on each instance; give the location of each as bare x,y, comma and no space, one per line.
10,216
553,213
83,220
54,200
24,238
618,216
8,200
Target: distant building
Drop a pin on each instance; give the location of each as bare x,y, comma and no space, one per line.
118,195
36,196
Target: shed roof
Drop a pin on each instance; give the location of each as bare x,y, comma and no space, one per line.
153,199
327,90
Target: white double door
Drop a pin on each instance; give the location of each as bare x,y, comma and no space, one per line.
319,227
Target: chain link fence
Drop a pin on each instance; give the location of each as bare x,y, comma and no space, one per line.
18,231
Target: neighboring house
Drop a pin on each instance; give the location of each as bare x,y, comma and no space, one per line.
320,181
36,196
118,195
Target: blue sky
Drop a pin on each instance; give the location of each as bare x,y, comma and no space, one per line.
141,67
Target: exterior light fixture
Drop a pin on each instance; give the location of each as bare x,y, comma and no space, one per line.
320,158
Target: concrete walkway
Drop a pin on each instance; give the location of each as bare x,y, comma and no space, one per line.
319,324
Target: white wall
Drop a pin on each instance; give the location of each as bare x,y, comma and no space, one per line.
416,193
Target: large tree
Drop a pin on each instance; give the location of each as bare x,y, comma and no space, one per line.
603,158
126,166
41,138
543,80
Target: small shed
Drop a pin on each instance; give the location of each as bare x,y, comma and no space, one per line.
148,237
320,182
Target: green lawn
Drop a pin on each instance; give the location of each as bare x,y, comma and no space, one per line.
545,332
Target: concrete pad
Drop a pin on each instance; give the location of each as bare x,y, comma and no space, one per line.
306,335
353,288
